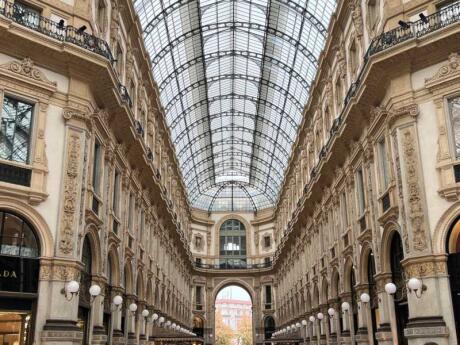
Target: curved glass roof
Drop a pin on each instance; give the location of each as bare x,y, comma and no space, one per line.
234,76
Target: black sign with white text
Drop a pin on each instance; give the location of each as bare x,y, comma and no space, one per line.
18,274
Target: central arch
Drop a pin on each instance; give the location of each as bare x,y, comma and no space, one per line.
246,309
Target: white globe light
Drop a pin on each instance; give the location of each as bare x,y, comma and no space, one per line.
155,317
117,300
173,326
298,325
72,286
161,320
345,306
168,323
414,284
288,328
312,318
320,316
304,322
145,313
365,298
94,290
133,307
390,288
331,312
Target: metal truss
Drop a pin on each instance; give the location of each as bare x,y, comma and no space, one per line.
239,185
271,194
285,135
238,141
239,165
289,3
232,128
266,103
250,28
224,72
261,81
232,53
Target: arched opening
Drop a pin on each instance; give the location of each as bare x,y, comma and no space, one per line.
374,298
19,253
232,244
397,275
85,283
233,316
335,283
269,327
354,303
198,326
453,265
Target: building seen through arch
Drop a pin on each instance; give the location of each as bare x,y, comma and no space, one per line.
155,153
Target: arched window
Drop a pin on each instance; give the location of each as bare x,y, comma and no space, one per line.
397,275
232,244
17,237
19,259
198,325
269,327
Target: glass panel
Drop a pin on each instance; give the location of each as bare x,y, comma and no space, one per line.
454,110
15,130
16,237
234,77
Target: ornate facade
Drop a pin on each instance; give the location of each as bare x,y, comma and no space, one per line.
361,247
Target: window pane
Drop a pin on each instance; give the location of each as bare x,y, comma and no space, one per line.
454,109
383,164
11,235
97,167
15,130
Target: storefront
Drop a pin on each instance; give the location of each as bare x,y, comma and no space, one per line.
19,269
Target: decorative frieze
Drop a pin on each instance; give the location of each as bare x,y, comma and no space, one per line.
70,193
415,197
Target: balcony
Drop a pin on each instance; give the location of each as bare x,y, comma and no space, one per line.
419,28
232,264
57,30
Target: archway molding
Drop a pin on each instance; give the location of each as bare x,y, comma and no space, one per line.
114,262
389,230
91,232
233,282
366,250
442,230
348,268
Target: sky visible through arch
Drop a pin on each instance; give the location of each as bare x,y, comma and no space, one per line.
233,292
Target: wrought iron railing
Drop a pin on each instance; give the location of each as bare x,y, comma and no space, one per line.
230,265
421,27
57,30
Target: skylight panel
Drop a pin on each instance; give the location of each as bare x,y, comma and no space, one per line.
234,76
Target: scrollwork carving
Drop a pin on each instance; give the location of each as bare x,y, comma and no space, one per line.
416,214
66,243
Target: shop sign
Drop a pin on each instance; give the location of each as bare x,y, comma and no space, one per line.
18,274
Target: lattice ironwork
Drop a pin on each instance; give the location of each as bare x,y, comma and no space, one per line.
234,76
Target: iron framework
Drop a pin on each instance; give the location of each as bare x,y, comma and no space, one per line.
234,76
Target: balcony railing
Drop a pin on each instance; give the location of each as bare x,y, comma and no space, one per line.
230,264
421,27
66,33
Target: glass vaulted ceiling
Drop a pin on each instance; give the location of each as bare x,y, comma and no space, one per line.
234,76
